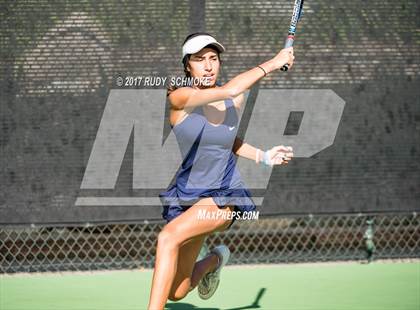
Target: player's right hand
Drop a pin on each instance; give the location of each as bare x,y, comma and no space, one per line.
285,56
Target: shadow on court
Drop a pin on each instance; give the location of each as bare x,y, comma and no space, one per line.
255,304
185,306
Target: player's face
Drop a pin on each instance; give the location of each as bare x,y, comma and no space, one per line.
205,63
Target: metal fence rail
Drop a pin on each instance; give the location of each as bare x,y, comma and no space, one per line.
268,240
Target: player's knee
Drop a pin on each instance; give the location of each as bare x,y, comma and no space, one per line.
175,296
167,239
164,238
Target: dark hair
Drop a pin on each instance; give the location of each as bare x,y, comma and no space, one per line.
186,58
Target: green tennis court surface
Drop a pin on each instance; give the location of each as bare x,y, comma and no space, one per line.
313,286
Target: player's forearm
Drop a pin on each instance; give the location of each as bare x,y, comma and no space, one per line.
245,80
245,150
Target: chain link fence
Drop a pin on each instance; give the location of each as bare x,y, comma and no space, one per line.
269,240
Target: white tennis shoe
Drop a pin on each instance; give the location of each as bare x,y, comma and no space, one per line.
209,283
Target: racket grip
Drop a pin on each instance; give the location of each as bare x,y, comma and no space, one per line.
289,42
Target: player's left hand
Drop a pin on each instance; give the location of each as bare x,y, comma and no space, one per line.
279,155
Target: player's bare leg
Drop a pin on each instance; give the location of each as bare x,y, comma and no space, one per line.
173,236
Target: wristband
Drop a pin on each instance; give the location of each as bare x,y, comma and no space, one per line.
257,156
266,158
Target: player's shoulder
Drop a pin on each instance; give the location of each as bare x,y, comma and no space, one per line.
179,91
178,96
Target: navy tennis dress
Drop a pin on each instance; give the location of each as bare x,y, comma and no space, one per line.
209,167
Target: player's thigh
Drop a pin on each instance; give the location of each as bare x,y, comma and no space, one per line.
191,224
187,257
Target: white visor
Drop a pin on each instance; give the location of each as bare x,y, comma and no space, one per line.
197,43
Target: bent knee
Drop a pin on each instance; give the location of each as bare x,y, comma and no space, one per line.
164,238
177,295
174,297
167,238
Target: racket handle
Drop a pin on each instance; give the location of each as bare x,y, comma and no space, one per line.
288,43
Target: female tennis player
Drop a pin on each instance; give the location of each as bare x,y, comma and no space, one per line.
204,118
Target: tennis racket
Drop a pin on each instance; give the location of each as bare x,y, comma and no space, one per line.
297,13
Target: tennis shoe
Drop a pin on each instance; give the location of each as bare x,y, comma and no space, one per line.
209,283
